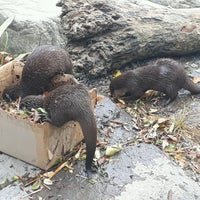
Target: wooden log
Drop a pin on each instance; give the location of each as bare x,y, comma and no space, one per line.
106,35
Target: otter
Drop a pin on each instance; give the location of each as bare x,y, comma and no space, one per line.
62,79
164,75
66,103
32,102
41,66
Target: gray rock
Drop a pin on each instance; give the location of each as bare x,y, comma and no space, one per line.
178,3
25,36
33,25
157,178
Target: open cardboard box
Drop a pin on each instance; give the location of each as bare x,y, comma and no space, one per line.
38,144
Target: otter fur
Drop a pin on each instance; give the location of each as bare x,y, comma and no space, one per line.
62,79
164,75
66,103
32,102
41,66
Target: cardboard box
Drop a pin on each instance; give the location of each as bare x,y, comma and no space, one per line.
38,144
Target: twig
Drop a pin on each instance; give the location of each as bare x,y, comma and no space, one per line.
27,195
81,176
48,188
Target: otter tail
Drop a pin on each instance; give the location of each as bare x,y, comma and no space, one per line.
191,86
89,129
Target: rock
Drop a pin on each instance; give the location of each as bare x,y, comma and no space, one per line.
156,177
34,25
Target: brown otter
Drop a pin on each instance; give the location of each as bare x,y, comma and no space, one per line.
62,79
32,101
164,75
41,66
66,103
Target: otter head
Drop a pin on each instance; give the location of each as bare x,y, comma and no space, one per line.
12,92
32,101
121,85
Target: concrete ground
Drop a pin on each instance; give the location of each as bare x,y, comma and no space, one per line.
138,172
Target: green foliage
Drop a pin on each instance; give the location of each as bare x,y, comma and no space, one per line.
3,28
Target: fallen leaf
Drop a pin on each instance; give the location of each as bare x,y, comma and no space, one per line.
171,128
155,126
42,111
101,160
97,154
49,174
181,160
47,181
164,144
172,138
118,73
148,94
37,184
100,98
163,120
78,154
153,110
196,79
14,178
3,182
121,101
170,147
112,150
121,105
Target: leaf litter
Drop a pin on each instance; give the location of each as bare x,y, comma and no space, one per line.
172,135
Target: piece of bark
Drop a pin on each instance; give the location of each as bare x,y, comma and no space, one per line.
106,35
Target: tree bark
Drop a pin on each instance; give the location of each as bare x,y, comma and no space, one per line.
108,34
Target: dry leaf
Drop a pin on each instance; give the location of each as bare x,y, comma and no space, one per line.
164,144
163,120
121,101
49,174
112,150
37,184
121,105
196,79
153,110
118,73
47,181
148,93
173,138
101,160
14,178
97,154
100,98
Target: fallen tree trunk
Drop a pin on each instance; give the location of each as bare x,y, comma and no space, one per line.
106,35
